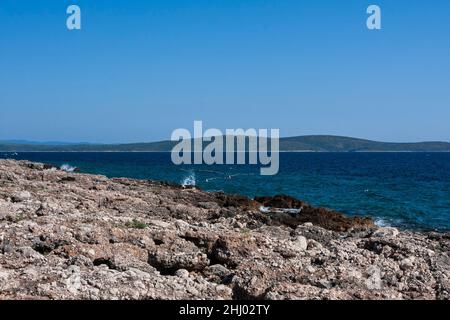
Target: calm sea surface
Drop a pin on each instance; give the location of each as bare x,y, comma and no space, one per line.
409,190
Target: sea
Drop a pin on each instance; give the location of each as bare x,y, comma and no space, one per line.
405,190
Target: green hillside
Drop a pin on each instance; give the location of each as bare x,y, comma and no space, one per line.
302,143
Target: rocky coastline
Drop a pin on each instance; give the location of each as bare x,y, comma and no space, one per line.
66,235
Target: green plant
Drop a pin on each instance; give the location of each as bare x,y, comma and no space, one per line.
136,224
17,218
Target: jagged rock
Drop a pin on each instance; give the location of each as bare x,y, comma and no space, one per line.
76,236
169,262
216,273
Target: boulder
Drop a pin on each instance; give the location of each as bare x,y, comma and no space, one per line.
21,196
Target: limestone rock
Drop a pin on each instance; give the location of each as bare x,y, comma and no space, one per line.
68,235
21,196
385,232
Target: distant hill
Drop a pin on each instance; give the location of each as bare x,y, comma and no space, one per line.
50,143
347,144
317,143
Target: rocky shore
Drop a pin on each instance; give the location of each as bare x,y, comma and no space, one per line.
76,236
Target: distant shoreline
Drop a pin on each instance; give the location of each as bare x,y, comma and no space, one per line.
311,143
285,151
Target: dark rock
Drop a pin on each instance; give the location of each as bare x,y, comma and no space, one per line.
68,179
237,201
280,201
5,246
325,218
49,166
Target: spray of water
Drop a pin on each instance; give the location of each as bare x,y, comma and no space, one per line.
68,168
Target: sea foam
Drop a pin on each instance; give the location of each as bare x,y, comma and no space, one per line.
68,168
189,180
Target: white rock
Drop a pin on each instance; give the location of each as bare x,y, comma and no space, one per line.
182,273
159,223
301,243
29,253
311,269
4,275
21,196
385,232
374,282
222,289
407,263
313,244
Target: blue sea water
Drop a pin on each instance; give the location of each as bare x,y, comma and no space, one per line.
407,190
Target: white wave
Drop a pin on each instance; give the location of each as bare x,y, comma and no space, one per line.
381,223
293,211
264,209
189,180
68,168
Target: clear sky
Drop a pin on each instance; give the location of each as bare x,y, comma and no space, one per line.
139,69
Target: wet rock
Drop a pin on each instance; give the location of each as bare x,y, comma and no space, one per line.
280,201
322,217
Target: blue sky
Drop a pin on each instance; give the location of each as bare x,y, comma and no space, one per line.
139,69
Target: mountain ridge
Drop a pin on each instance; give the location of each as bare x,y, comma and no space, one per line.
311,143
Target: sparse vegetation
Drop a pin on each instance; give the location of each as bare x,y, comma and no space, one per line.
136,224
17,218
